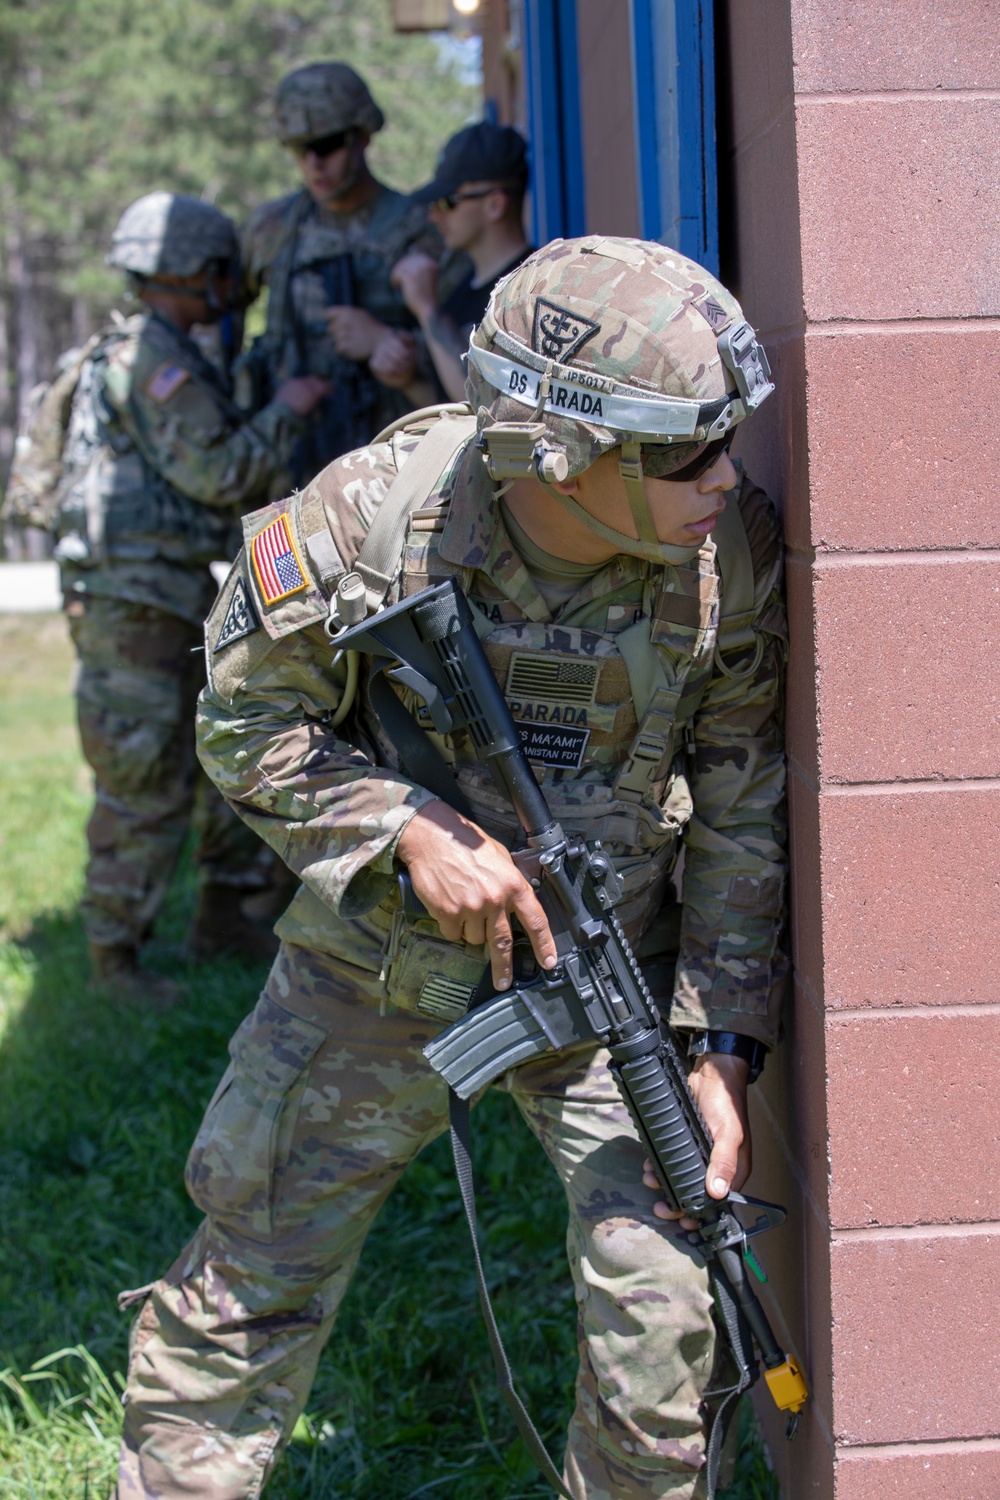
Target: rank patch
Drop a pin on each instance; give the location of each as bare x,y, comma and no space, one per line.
241,618
558,333
276,563
714,315
165,380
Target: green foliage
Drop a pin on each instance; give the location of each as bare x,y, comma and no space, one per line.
105,101
97,1109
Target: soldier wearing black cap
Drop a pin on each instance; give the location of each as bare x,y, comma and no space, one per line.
476,202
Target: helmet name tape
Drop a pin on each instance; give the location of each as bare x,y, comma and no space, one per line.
557,333
586,396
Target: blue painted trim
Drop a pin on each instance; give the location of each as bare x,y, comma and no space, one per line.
699,188
553,100
647,144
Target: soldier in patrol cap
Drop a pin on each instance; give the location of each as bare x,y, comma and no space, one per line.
628,577
325,254
157,465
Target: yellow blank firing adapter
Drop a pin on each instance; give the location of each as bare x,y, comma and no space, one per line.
787,1385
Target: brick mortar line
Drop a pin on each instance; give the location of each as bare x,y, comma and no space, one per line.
959,323
829,561
916,1448
896,96
910,787
978,1229
909,1012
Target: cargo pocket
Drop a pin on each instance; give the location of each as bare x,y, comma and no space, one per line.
230,1171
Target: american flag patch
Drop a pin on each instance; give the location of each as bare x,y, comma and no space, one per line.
276,563
165,380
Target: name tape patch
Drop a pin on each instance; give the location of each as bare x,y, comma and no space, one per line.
276,562
559,745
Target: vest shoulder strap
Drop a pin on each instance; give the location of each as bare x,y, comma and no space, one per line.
379,557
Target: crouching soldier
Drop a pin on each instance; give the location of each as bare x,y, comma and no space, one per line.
626,576
157,467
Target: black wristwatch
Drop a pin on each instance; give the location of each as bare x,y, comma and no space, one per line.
733,1044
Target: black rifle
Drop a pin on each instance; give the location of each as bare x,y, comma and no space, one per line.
428,643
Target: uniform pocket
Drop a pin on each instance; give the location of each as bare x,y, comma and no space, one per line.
747,946
230,1171
432,977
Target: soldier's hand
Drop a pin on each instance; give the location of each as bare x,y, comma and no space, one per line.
719,1085
416,275
471,886
394,361
354,331
302,393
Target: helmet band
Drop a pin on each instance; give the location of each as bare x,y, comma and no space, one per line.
594,399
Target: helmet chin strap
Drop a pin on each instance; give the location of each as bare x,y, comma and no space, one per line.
648,544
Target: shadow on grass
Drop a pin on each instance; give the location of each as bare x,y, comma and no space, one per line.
98,1106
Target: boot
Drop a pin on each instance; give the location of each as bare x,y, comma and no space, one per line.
115,972
220,928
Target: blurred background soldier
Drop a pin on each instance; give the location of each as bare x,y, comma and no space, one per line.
325,254
157,464
476,203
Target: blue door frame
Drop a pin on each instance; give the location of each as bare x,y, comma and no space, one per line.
673,100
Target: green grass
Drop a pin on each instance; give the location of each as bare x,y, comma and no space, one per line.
97,1108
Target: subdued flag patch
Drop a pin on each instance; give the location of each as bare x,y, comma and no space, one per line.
241,618
276,564
165,380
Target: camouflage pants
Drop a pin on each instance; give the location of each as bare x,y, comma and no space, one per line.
139,674
322,1108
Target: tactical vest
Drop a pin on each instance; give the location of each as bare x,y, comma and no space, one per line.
606,714
112,505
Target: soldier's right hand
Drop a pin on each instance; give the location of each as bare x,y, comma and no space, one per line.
302,392
471,886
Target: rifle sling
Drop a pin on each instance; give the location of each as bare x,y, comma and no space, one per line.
421,759
741,1346
458,1112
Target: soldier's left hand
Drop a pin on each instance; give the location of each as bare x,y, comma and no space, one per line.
416,276
354,331
719,1086
394,361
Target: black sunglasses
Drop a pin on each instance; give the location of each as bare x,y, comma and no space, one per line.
326,145
654,460
452,200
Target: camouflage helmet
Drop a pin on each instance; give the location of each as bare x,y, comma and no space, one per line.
600,343
321,99
171,234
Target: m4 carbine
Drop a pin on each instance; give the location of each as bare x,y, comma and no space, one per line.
428,644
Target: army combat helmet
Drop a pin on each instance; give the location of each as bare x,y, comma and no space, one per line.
323,99
172,234
602,343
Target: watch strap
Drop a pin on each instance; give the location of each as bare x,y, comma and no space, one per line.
731,1044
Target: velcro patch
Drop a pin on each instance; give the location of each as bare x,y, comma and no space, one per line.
553,744
715,316
276,562
241,618
165,380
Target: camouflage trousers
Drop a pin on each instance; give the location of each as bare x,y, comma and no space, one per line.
139,674
323,1106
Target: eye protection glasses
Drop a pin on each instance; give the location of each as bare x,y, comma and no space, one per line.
658,462
445,205
324,146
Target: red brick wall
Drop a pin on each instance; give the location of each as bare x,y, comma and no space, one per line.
866,172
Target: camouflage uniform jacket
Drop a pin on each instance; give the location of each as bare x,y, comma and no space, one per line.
699,764
158,464
287,243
